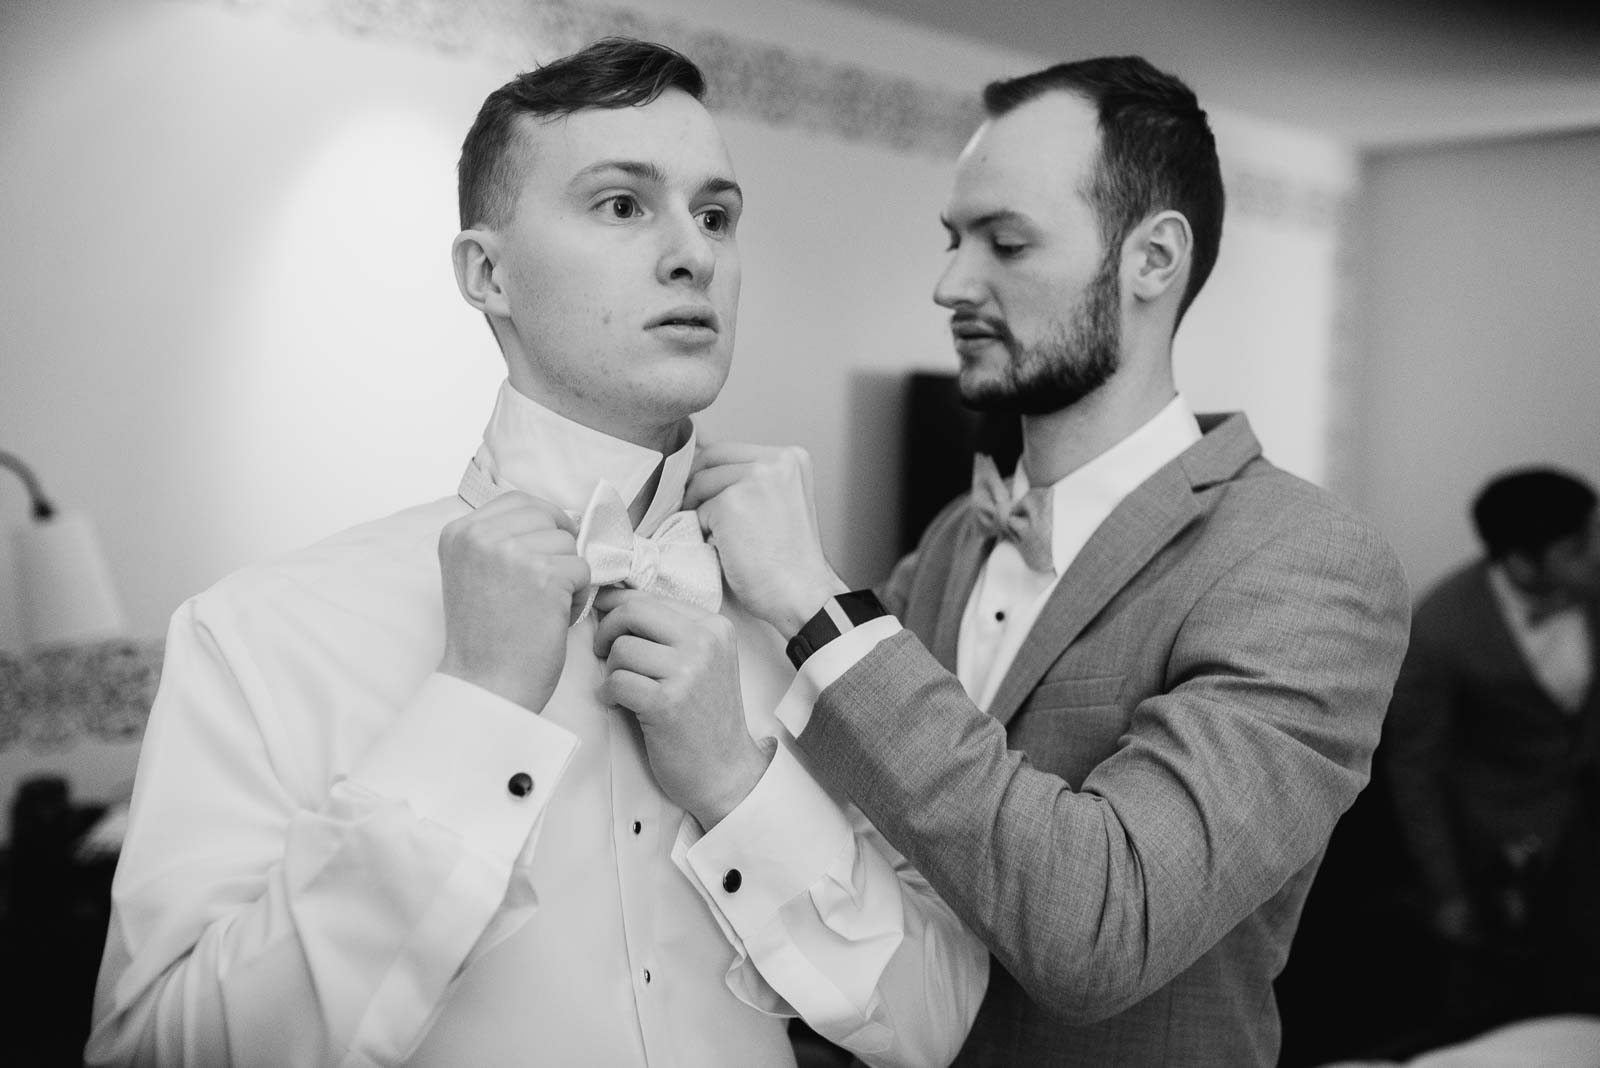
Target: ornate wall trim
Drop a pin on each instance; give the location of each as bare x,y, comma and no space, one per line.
756,80
51,700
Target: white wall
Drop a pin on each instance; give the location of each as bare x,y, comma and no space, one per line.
1482,347
229,325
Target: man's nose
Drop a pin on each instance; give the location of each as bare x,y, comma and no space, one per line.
688,254
957,285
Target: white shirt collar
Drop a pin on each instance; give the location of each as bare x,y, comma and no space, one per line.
1512,602
528,447
1082,500
1517,607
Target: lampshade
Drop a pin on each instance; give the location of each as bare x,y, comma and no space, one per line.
64,585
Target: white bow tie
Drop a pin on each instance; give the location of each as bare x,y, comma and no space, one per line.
674,561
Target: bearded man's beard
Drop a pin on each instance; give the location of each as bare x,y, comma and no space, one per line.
1063,368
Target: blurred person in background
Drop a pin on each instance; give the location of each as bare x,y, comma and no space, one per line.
1493,754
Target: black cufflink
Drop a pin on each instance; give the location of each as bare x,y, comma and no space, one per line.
520,784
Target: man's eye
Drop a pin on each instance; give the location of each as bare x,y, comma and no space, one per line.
1007,249
715,221
621,206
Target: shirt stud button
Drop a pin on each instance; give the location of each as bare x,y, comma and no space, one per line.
1000,617
637,826
732,881
647,975
520,784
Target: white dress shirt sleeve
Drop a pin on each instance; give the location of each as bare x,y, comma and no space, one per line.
829,921
826,666
255,921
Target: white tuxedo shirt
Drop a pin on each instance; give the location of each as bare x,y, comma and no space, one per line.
325,864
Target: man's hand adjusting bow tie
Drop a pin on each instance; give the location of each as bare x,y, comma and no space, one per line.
509,574
674,562
670,659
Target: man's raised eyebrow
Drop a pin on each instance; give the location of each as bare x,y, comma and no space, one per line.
650,172
717,186
647,172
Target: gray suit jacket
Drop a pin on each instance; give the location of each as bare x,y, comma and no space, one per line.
1479,755
1133,827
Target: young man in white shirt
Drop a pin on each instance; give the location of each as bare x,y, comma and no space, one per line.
392,807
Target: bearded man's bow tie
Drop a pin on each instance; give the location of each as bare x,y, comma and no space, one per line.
1025,522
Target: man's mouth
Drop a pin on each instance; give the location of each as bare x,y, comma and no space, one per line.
686,319
976,331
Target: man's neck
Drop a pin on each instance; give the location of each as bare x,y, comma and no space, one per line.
663,437
535,447
1058,443
641,501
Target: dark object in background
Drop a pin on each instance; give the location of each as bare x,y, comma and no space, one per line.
940,439
54,910
1366,980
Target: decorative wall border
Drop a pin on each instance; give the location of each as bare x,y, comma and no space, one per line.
50,700
761,81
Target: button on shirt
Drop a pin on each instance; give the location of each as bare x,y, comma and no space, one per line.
337,855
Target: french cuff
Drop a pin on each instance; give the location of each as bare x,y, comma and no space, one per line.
780,841
826,666
471,761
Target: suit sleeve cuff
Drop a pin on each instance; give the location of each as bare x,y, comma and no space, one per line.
780,841
470,761
826,666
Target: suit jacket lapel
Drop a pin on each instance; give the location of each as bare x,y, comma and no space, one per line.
1504,651
1591,613
1589,711
1133,533
1150,517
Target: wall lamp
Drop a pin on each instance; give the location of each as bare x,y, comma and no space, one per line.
65,591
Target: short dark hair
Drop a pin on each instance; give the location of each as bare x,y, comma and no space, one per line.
1156,149
1525,511
614,72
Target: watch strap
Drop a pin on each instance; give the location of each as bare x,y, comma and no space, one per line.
838,615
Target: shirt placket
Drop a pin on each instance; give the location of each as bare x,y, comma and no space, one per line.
644,824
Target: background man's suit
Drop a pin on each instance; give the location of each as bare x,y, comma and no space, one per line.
1481,759
1133,828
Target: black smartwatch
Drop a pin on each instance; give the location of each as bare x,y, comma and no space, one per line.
841,613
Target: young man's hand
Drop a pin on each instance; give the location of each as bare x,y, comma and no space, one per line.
510,571
756,506
676,668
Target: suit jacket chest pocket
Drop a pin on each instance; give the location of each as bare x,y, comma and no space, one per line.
1067,726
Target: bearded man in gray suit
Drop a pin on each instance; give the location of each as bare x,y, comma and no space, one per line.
1113,706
